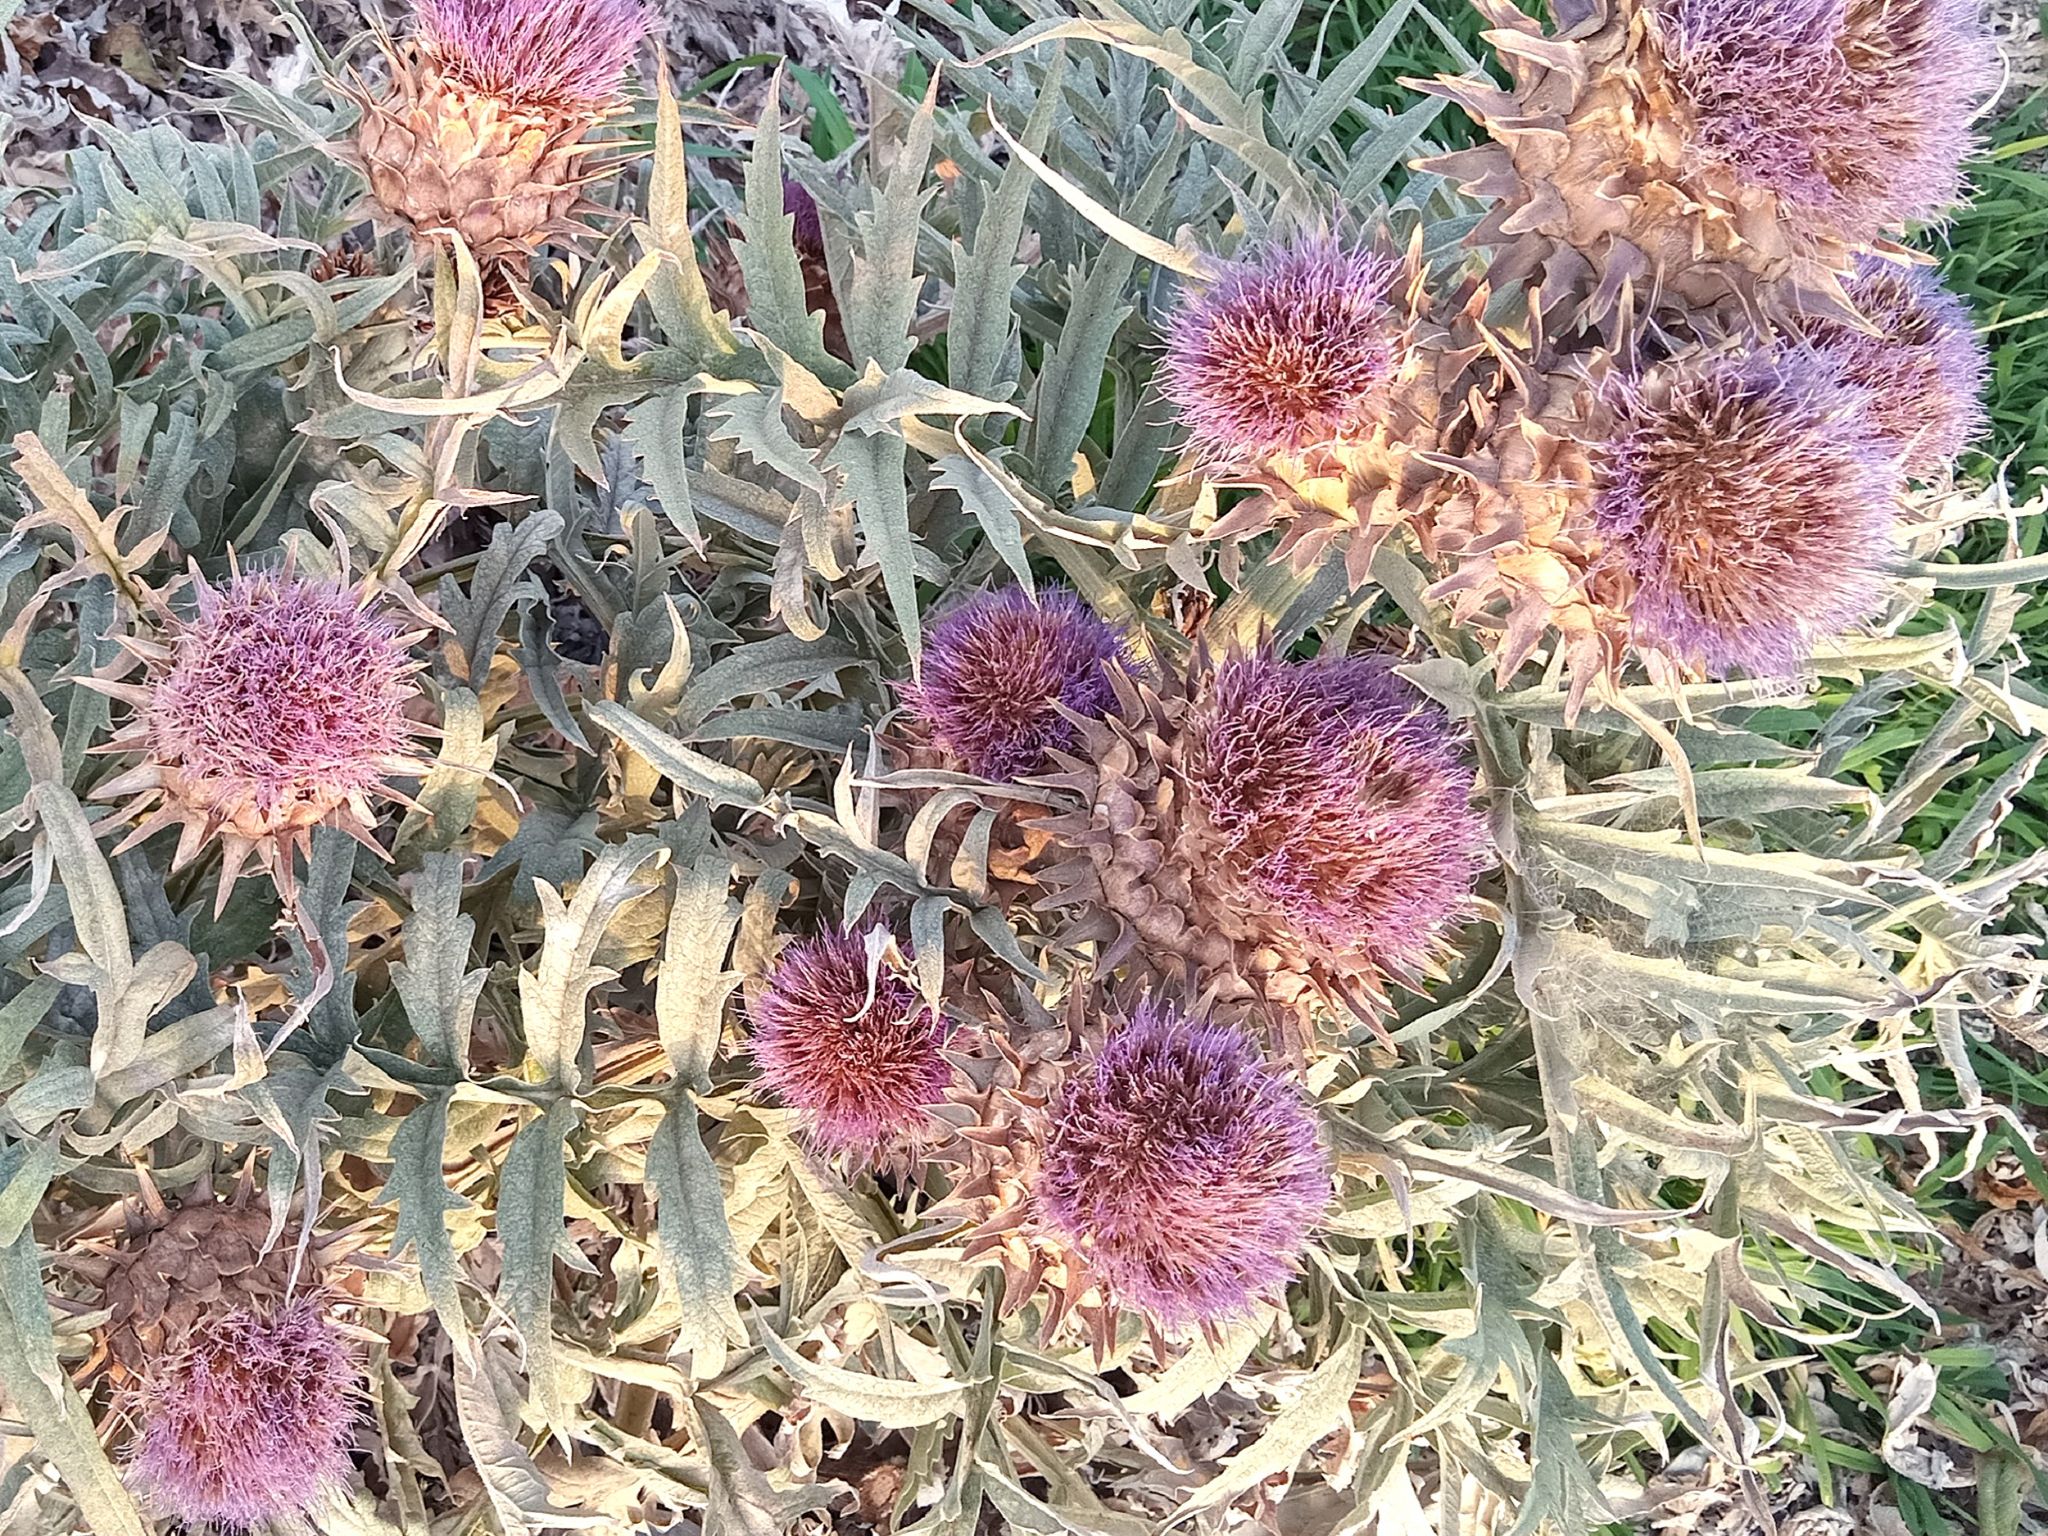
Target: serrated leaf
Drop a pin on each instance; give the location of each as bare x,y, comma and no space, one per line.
433,981
881,1400
690,993
716,782
696,1247
553,996
1322,1405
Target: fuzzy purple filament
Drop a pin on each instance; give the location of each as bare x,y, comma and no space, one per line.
1751,499
250,1422
536,52
1856,111
1287,350
1341,799
281,690
1186,1175
998,670
1925,369
860,1066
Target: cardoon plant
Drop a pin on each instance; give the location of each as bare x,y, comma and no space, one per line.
251,1421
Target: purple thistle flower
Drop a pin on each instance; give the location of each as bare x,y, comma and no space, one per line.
859,1066
282,692
1184,1173
1290,349
250,1422
1752,500
807,224
1341,799
1855,111
535,52
1925,368
997,670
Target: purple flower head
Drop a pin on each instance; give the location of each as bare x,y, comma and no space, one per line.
1855,111
1185,1174
282,693
1925,368
859,1065
1752,500
808,225
535,52
997,668
1340,798
250,1422
1285,351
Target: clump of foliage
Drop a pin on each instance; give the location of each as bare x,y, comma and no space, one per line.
1116,853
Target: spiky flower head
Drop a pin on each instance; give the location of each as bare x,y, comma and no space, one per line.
1751,500
1856,111
250,1421
1334,795
999,669
849,1045
1924,369
1184,1174
1289,349
279,705
535,52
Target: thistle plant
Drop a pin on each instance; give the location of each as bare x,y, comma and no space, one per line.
250,1422
279,705
1423,980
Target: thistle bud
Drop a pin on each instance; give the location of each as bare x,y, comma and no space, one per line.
483,128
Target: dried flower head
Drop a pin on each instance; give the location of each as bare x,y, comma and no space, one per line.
1854,110
250,1422
279,705
1751,500
1181,1171
1924,368
1290,349
1337,797
535,52
852,1048
998,670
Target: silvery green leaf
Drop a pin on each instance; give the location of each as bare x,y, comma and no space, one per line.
978,342
741,1501
692,771
494,586
41,1396
423,1198
874,469
434,982
554,995
530,1210
678,296
881,299
758,669
448,797
881,1400
696,1245
776,305
1322,1405
690,992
